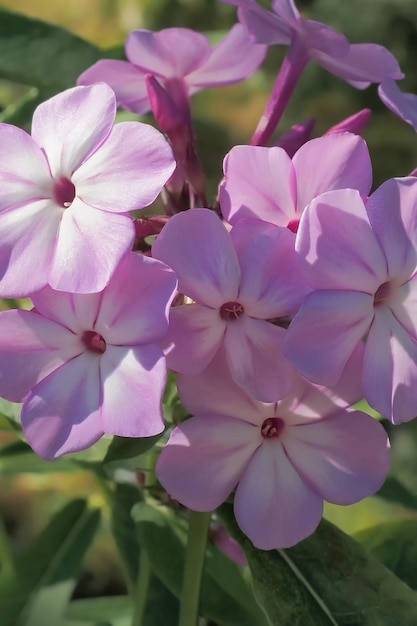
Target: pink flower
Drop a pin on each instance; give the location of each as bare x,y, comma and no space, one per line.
65,192
402,104
361,262
283,458
181,59
239,282
265,183
358,64
89,364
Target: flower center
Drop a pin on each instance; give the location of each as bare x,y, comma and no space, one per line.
64,192
93,342
383,293
293,225
230,311
272,427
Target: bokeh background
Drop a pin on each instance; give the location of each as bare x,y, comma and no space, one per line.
29,492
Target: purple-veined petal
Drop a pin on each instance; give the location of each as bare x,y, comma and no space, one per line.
318,36
170,53
307,401
24,172
402,104
326,330
198,247
134,306
364,64
403,303
392,211
133,382
78,312
265,27
273,505
389,369
256,360
195,333
126,80
336,161
72,125
205,458
271,284
28,236
260,183
235,58
62,413
215,392
336,246
90,244
286,10
343,458
129,170
30,348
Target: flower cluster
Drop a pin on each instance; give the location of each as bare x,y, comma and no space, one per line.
280,305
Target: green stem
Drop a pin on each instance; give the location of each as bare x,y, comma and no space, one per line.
193,569
6,556
142,589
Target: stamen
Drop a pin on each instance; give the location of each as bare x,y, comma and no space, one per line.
272,427
230,311
64,192
93,342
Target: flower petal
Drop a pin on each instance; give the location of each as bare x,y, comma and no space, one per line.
198,248
256,360
274,507
205,458
389,368
133,381
195,333
336,161
140,315
62,413
90,245
260,182
28,235
329,324
30,348
344,458
77,312
402,104
126,80
336,245
72,125
129,170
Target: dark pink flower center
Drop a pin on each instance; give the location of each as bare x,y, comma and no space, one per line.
230,311
93,342
383,293
293,225
272,427
64,192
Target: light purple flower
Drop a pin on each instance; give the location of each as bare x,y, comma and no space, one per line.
361,262
89,364
181,59
239,282
283,458
65,192
265,183
402,104
358,64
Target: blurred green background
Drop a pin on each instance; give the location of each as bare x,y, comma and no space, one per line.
224,118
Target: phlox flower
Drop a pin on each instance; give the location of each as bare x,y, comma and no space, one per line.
361,261
181,59
358,64
239,282
284,458
265,183
65,192
89,364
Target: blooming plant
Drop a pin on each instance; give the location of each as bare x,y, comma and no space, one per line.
223,362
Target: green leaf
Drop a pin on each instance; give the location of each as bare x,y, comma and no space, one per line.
394,491
122,448
163,535
11,412
116,611
42,55
18,458
395,545
124,530
326,580
50,564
